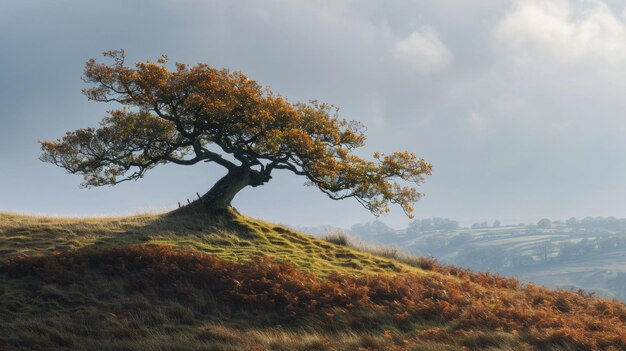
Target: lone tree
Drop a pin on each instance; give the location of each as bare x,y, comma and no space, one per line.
202,114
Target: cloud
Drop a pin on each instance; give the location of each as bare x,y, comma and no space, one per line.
476,122
422,51
571,33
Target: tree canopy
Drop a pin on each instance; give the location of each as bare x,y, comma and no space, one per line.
202,114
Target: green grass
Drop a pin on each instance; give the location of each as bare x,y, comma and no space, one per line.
234,237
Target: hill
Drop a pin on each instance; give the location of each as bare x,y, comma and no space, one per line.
229,282
587,254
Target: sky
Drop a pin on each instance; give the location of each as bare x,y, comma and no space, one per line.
519,105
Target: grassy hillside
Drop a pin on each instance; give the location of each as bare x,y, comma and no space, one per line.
232,237
229,282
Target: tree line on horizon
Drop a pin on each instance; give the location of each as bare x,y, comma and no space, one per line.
378,227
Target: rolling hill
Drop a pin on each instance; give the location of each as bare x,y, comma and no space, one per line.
186,281
588,254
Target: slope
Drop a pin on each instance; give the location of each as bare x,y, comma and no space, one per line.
231,236
229,282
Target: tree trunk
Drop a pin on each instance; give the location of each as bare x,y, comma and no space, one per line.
223,192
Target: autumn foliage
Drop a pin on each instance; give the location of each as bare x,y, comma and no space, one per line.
202,114
465,302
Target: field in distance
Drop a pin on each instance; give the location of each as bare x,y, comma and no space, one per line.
587,254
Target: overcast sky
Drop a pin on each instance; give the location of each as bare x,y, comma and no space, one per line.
519,105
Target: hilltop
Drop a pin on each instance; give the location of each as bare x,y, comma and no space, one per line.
229,282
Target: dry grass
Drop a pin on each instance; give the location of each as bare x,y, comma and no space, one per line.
338,238
343,239
477,311
233,283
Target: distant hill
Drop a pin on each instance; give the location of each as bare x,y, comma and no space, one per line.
229,282
588,254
